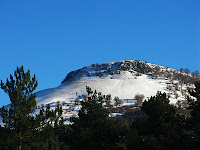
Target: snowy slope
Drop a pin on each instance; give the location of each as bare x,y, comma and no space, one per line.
116,78
125,86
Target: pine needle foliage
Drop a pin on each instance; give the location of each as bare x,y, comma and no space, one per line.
19,89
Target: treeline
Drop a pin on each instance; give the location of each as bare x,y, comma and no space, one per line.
157,127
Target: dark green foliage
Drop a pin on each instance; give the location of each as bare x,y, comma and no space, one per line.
49,138
47,132
19,88
50,117
23,131
49,129
160,126
8,139
94,129
22,100
92,110
158,108
193,133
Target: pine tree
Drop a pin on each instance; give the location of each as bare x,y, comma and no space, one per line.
19,88
160,126
158,107
92,110
94,129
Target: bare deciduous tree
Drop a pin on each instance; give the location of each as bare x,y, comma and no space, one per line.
139,98
195,73
118,101
187,70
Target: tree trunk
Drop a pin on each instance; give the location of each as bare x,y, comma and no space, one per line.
19,140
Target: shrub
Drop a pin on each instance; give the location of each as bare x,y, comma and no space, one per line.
118,101
139,98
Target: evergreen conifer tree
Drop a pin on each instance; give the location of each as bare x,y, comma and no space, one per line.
160,126
94,129
19,88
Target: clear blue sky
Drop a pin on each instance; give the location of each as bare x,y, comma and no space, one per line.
52,38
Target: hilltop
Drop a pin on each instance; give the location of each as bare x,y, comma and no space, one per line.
122,79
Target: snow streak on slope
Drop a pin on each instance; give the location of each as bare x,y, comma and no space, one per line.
125,86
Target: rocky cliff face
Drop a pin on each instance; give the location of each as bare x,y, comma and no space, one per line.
132,66
111,68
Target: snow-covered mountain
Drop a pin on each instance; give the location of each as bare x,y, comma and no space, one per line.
122,78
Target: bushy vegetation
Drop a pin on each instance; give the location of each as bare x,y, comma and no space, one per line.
153,125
